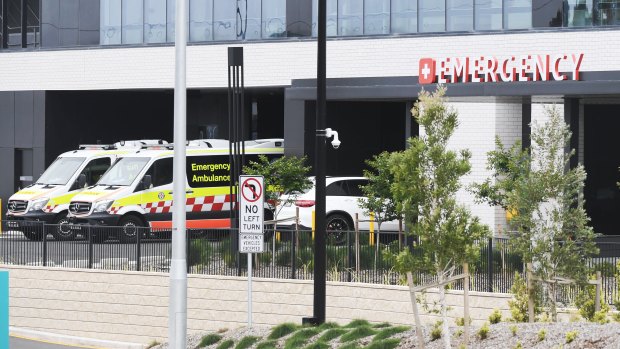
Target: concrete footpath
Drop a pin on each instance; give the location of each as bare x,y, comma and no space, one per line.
21,338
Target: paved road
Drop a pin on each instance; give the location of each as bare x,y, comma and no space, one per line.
24,343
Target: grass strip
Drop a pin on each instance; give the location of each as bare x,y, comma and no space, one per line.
351,345
357,333
332,333
227,344
247,342
299,338
357,323
282,330
271,344
209,340
389,332
382,325
318,345
390,343
328,325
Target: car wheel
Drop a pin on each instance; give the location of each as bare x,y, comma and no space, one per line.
130,228
62,230
337,228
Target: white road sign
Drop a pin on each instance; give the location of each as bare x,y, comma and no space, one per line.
251,213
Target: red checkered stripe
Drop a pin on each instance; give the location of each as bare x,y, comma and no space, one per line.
209,203
49,208
114,210
158,207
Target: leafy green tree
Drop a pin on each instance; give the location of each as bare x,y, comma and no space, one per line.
426,180
285,175
545,196
379,200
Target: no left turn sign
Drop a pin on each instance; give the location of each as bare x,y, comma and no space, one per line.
251,213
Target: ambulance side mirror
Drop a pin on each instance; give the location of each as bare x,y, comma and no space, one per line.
81,181
146,182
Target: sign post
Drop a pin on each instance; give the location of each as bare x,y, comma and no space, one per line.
251,218
4,309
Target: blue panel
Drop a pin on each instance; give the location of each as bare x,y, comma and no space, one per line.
4,309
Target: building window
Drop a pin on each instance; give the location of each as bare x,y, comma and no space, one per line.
488,15
224,12
274,18
404,15
200,15
377,17
432,16
154,21
517,14
331,26
578,13
110,32
607,12
248,20
132,21
459,15
350,17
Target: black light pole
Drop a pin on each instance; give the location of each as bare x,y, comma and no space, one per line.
319,237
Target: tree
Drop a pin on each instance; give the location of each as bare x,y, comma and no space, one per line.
285,175
549,222
426,179
379,200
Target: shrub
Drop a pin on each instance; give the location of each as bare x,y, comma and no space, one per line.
459,332
607,269
382,325
389,332
542,334
351,345
209,339
519,345
461,321
199,253
328,325
227,344
518,305
483,332
495,317
585,302
570,336
247,342
152,344
436,331
357,333
513,330
282,330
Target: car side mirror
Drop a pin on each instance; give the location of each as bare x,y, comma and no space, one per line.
146,182
81,181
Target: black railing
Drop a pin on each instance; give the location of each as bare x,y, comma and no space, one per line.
288,254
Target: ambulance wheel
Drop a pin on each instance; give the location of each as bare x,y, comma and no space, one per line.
130,228
62,228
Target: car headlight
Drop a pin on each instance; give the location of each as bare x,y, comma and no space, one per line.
102,206
38,205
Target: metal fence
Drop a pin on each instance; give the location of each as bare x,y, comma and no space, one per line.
288,254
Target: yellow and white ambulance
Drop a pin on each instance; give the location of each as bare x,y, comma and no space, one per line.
47,200
137,190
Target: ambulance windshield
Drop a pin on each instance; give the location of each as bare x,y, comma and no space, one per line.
60,171
124,171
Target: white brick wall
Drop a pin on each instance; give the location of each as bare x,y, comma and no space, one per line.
277,63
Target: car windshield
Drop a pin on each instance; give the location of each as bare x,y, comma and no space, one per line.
60,171
124,171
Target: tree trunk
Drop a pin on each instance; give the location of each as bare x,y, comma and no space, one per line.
551,299
445,332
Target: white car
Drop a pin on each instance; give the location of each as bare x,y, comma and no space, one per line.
341,205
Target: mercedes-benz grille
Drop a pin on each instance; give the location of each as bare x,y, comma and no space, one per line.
17,205
79,207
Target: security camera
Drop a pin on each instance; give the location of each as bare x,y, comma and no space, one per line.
329,133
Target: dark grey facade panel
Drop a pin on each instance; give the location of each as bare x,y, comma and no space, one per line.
50,22
67,37
39,119
89,15
24,119
7,174
38,162
69,14
294,111
69,23
7,120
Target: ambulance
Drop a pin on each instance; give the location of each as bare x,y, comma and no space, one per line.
47,200
136,192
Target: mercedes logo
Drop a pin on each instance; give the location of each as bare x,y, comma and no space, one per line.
12,205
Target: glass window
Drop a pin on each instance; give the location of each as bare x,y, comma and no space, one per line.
432,16
110,17
350,17
200,20
332,18
60,171
548,13
578,13
170,20
161,172
336,189
154,21
606,12
460,15
132,21
124,171
488,15
404,16
274,18
248,19
224,13
377,17
95,169
354,187
517,14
